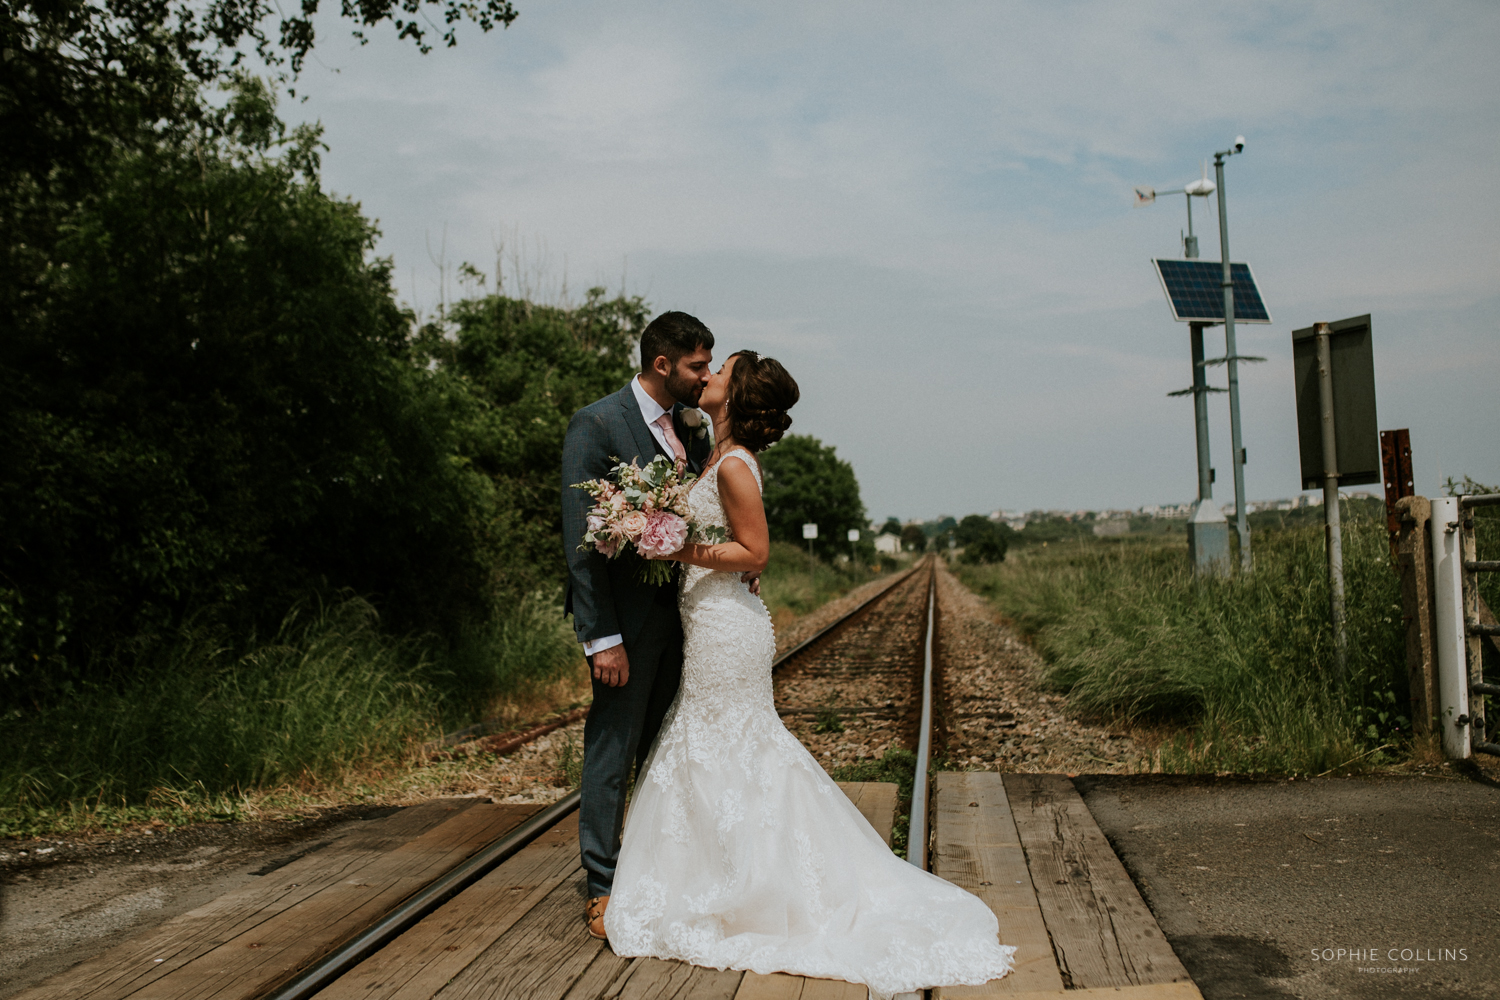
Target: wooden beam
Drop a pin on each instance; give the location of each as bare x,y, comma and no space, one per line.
417,964
541,957
778,986
247,941
1103,934
1414,562
876,801
977,848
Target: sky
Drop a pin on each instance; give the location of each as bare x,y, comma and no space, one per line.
925,212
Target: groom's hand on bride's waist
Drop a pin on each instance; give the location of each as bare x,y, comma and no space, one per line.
753,579
611,666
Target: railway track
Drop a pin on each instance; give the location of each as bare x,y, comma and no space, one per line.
464,900
863,661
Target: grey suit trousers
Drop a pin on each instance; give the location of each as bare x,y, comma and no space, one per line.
621,728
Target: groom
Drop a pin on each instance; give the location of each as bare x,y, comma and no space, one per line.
630,630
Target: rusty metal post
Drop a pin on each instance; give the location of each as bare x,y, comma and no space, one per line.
1395,462
1332,533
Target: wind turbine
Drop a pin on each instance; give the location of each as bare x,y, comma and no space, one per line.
1201,188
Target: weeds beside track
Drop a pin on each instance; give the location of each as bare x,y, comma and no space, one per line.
1242,667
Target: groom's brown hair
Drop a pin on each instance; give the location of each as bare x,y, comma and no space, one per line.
671,335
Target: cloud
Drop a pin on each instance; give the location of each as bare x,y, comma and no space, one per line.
926,210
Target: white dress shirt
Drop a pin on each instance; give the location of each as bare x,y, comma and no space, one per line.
651,411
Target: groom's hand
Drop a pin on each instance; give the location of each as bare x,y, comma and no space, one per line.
612,666
753,579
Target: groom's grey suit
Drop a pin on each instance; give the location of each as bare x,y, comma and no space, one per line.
606,597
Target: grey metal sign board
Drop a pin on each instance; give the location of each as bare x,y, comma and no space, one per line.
1356,429
1195,291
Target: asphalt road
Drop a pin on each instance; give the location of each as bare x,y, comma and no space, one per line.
1335,887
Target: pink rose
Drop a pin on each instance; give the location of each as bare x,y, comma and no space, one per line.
595,522
633,523
607,547
665,533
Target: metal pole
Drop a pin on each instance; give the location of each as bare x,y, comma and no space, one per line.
1235,440
1200,412
1190,245
1332,532
916,832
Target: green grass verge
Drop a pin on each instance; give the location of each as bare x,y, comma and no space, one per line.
794,583
195,728
1243,668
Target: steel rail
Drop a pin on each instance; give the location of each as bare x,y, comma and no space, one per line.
323,972
916,835
838,622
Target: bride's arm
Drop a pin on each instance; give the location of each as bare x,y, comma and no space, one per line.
751,548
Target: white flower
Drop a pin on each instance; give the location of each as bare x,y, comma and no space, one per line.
692,417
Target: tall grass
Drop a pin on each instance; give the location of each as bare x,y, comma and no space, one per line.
197,726
795,583
1243,668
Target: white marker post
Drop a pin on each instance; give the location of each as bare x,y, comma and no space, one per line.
1448,602
810,532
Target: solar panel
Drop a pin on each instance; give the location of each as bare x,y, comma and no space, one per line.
1194,290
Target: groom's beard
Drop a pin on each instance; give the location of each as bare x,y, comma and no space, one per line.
685,390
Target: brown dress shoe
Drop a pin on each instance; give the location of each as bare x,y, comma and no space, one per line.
594,915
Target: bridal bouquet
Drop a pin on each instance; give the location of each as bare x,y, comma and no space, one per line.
644,510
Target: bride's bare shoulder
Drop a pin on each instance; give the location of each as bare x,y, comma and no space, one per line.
739,471
747,462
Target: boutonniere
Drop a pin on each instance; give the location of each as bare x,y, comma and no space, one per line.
693,420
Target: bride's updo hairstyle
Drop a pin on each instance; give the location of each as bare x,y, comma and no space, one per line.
760,393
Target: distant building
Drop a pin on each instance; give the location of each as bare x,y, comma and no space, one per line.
888,545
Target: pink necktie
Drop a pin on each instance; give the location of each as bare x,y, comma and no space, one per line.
665,423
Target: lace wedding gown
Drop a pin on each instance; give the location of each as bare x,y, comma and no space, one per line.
739,852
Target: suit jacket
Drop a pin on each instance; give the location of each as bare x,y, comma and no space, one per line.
606,596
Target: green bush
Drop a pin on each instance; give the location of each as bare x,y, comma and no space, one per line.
1247,664
983,540
209,401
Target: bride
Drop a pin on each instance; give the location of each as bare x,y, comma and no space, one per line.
739,851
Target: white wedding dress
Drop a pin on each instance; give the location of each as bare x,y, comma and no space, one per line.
740,852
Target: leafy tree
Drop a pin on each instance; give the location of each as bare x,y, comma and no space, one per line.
83,84
913,538
807,482
891,527
209,401
525,370
983,540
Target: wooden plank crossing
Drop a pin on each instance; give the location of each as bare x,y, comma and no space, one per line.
249,940
1025,844
1103,934
976,847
